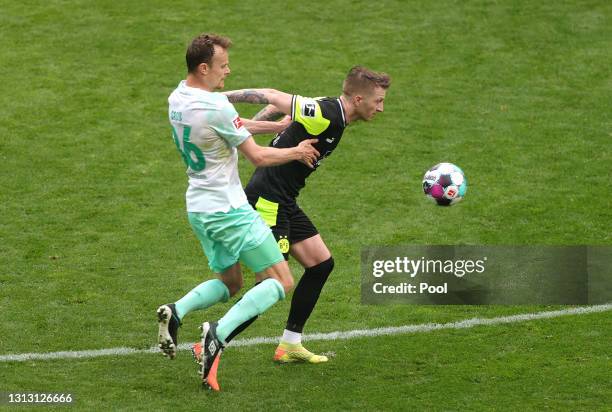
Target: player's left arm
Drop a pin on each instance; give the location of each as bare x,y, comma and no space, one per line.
265,121
270,112
262,127
281,100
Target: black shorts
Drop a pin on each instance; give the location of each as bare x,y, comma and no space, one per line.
288,222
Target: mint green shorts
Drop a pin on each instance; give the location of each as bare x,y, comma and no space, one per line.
238,235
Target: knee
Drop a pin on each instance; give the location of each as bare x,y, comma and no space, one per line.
322,269
281,273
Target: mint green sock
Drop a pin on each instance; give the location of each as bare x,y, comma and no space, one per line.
202,296
255,302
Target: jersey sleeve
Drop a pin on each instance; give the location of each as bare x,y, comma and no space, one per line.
307,112
229,126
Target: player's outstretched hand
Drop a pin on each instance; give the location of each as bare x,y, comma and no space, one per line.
308,154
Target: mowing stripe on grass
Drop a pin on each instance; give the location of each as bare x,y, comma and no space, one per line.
349,334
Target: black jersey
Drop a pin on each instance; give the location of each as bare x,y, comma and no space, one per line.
321,119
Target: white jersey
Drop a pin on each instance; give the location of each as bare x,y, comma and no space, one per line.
206,130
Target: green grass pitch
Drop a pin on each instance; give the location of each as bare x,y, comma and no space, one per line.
93,232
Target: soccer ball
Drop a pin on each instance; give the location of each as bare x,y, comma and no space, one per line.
445,184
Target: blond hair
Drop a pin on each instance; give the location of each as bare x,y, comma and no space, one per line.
362,80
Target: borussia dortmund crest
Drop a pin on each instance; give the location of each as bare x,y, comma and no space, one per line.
283,244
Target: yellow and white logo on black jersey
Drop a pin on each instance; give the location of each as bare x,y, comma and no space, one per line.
309,109
283,244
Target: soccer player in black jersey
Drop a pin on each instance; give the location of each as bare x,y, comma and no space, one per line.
272,191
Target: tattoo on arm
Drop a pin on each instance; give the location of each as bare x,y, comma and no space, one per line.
246,96
268,113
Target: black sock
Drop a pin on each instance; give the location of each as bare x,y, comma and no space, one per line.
307,293
243,325
240,328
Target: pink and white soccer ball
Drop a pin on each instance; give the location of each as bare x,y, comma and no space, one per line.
445,184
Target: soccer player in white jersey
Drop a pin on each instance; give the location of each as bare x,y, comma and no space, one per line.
208,133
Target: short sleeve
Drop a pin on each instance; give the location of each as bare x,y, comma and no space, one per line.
307,112
229,126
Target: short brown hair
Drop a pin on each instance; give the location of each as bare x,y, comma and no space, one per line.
201,49
361,79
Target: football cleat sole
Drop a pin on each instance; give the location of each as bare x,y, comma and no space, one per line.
196,351
165,342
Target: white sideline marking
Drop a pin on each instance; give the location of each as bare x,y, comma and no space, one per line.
349,334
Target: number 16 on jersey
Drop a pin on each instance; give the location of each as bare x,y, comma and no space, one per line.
191,154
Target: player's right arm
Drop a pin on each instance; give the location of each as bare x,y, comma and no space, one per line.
304,110
281,100
231,126
270,156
